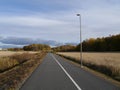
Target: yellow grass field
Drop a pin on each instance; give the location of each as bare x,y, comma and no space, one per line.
97,58
9,53
108,60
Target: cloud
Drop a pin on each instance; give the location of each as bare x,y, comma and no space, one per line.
3,45
28,21
36,27
57,20
27,41
12,42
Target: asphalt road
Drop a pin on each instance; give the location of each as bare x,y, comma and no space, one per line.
57,74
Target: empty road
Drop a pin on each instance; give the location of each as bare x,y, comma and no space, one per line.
55,73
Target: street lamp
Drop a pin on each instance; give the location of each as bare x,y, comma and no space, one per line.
79,15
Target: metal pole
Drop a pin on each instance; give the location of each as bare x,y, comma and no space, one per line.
80,41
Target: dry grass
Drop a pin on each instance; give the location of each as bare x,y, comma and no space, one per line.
14,77
9,53
108,63
98,58
7,62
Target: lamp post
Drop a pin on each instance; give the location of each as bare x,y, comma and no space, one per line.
79,15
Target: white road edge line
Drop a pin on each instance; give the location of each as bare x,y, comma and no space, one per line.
78,87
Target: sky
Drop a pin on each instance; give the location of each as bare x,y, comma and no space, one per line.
57,20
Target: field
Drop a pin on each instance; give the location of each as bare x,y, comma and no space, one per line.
108,63
9,53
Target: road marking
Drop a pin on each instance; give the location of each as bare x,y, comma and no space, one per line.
78,87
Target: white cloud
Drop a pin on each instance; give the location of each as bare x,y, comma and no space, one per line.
99,18
28,21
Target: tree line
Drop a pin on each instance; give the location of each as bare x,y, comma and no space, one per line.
36,47
111,43
32,47
64,48
104,44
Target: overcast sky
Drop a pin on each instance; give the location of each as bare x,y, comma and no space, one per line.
57,20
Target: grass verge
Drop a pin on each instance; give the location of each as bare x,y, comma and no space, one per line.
12,79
